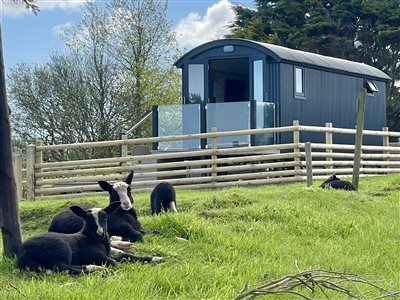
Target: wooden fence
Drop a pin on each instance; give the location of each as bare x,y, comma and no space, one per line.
207,168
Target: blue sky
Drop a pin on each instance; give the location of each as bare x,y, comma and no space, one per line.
29,38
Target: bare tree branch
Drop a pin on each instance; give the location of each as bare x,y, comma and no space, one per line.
30,5
352,285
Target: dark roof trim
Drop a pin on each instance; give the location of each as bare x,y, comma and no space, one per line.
283,54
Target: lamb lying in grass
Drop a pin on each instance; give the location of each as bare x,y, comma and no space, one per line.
124,222
338,184
81,252
163,196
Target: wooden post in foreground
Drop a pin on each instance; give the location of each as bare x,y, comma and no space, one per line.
309,164
9,210
359,136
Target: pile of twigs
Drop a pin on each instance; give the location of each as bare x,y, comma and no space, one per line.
308,282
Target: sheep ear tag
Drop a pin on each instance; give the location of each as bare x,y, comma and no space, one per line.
112,208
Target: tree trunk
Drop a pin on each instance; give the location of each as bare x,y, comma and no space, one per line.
9,213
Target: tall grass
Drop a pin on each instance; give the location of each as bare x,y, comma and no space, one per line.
234,236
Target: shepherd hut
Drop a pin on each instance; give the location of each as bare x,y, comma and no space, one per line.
235,84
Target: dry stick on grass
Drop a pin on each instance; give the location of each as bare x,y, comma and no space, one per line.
313,280
16,288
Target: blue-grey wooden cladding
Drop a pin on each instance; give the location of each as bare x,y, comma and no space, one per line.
331,85
329,97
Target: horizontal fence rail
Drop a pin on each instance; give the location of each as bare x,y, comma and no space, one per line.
204,168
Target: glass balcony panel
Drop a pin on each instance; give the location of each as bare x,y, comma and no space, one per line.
228,117
265,118
179,120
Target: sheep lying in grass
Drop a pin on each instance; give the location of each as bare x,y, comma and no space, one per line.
81,252
124,222
338,184
163,196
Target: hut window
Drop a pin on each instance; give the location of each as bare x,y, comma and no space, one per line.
371,87
258,80
196,83
299,82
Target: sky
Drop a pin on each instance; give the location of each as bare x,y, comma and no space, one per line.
29,38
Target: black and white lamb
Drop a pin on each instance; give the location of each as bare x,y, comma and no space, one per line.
81,252
338,184
124,222
163,196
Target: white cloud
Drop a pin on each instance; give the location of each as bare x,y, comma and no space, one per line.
11,9
195,29
59,30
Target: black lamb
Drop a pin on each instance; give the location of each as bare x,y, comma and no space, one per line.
124,222
338,184
81,252
163,196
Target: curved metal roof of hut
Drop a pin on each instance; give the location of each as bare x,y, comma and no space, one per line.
283,54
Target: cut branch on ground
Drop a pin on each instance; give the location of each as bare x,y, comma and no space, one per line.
305,283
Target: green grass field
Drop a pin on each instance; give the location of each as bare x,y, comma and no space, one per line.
234,236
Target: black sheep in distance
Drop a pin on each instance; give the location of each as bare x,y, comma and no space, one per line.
163,196
338,184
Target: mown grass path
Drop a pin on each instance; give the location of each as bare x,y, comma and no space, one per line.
234,236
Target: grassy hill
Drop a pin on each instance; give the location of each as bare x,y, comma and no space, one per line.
234,236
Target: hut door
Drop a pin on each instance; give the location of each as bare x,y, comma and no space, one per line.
229,80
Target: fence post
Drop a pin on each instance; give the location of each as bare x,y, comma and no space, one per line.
214,146
124,150
155,125
30,172
309,164
359,137
329,141
385,143
17,165
296,148
38,160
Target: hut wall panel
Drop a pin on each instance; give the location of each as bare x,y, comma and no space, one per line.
329,97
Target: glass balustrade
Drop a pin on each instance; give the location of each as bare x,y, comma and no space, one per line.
179,120
265,118
228,117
